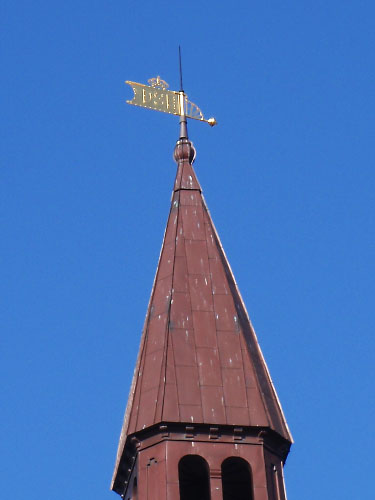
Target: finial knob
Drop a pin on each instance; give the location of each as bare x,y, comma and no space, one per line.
212,122
184,151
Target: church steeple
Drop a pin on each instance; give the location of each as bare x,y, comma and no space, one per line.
203,419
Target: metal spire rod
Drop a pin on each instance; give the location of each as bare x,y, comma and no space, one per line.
179,58
183,121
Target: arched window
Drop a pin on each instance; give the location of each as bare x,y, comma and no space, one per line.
236,479
193,477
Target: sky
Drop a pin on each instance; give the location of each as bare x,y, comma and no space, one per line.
85,185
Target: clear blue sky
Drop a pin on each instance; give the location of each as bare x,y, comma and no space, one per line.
85,184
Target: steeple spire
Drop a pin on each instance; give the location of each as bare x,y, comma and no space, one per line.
200,376
203,420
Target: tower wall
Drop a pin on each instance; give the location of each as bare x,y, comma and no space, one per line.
156,457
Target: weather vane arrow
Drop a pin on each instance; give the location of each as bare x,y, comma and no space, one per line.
157,96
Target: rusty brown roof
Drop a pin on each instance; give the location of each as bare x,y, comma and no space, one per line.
199,359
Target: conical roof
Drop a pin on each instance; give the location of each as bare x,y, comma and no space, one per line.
199,359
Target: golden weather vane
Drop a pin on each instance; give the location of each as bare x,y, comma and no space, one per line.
157,96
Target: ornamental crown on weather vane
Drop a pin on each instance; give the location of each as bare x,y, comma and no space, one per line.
156,96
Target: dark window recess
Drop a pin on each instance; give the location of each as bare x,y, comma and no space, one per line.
135,489
193,478
236,479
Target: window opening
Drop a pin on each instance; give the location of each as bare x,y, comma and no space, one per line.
236,479
193,476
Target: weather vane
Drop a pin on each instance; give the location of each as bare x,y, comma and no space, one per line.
157,96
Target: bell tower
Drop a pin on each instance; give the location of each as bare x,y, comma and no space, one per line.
203,420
